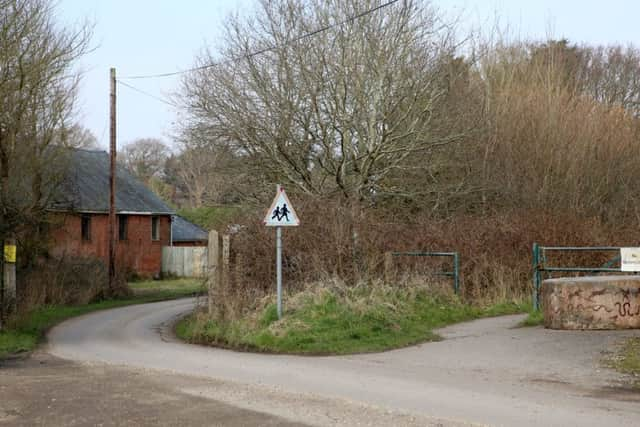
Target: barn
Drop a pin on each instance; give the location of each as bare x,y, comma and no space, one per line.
185,233
81,216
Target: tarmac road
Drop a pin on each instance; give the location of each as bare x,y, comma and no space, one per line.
485,372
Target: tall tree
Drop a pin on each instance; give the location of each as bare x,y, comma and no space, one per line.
208,171
338,111
37,93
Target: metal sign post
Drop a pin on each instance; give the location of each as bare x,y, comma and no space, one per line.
279,269
280,214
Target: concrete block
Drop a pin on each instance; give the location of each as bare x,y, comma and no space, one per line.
596,302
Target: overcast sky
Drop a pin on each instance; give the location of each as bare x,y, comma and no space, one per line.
157,36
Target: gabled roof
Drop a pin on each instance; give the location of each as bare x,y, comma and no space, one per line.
86,188
185,231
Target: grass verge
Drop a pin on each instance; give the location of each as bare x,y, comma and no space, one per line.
325,320
166,289
535,318
25,333
627,359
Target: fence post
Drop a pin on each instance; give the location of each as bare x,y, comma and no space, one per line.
213,264
226,244
238,270
388,266
536,276
456,273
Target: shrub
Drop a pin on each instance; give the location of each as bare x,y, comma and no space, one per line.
66,281
335,242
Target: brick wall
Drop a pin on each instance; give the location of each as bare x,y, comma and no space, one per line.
138,253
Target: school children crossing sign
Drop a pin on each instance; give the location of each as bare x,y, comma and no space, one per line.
281,213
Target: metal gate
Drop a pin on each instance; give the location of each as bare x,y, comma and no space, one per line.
541,266
455,260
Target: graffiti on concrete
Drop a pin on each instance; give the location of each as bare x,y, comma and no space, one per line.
592,305
624,309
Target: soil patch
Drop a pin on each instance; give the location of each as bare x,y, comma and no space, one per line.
44,390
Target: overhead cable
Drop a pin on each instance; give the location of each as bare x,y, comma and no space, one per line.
157,98
267,49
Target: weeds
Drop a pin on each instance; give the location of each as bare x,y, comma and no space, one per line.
535,318
67,281
627,359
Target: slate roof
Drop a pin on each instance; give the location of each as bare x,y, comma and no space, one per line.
185,231
86,188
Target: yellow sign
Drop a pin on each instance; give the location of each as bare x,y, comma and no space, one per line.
10,253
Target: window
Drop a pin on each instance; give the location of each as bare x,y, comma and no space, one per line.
122,227
86,227
155,228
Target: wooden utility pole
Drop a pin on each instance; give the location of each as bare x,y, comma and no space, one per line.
2,287
112,183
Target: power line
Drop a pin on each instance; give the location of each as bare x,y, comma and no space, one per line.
157,98
267,49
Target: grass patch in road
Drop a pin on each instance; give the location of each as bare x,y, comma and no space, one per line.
25,333
330,320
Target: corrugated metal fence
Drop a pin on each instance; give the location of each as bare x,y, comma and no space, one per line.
187,261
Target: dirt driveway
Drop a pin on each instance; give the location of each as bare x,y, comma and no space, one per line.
46,391
43,390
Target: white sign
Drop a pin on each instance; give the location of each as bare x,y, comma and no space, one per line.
630,259
281,213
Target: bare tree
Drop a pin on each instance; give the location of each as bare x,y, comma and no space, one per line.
612,76
338,111
552,137
145,158
78,136
37,93
209,171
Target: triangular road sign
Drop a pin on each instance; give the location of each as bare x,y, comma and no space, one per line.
281,213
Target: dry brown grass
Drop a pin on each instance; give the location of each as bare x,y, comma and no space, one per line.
549,144
66,282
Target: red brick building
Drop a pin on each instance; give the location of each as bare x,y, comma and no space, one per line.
81,213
